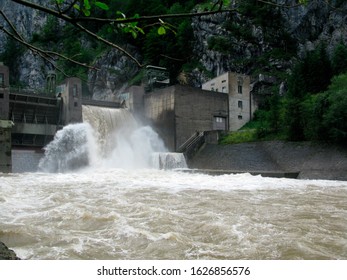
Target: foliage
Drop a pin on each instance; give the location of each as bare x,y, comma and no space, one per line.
310,76
314,107
339,59
335,116
10,57
246,135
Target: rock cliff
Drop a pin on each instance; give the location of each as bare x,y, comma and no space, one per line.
32,71
243,43
116,70
239,41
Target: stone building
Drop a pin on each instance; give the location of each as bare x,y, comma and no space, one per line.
241,102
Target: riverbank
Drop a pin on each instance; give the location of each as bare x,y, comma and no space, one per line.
309,160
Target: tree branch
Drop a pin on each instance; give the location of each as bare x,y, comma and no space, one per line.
44,9
97,37
280,5
76,21
152,18
40,51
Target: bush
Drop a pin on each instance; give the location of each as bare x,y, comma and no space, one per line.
241,136
335,117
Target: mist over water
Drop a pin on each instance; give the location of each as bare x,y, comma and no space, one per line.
107,138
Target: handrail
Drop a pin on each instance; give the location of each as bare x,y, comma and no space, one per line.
186,143
192,145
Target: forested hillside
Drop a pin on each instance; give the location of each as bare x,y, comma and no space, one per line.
298,46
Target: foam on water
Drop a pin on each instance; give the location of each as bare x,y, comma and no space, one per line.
108,202
110,213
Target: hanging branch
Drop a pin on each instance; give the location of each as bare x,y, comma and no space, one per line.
45,54
76,21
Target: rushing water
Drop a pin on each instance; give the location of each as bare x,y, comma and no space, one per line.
108,137
98,195
158,214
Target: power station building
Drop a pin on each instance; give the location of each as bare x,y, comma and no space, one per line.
242,105
177,112
224,103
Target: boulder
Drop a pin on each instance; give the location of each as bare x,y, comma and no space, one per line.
6,253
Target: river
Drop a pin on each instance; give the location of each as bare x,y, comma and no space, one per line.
157,214
106,191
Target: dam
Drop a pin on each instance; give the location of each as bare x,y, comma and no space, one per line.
30,120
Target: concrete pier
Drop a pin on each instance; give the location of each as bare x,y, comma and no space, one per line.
5,146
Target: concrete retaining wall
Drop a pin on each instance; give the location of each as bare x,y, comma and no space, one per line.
310,160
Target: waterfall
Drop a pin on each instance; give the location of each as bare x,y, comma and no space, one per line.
108,138
70,149
168,160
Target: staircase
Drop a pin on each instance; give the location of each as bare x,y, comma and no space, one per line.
192,145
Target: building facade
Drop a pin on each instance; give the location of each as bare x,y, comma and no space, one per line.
241,102
5,123
180,111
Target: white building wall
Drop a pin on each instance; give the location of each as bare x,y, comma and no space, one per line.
241,103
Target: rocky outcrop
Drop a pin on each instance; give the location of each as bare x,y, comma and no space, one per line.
32,68
116,70
319,21
6,253
247,46
223,42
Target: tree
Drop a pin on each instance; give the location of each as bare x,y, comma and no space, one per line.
81,13
335,117
85,14
339,59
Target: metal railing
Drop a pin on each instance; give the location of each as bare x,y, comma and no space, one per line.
190,147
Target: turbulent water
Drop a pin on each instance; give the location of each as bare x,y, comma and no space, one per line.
106,190
108,137
158,214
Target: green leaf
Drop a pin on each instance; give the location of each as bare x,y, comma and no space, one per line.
77,7
161,30
140,30
121,14
102,5
134,34
86,12
87,4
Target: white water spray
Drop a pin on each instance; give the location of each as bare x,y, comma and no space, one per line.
70,149
108,138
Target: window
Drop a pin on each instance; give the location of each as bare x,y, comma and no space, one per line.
239,89
75,104
1,95
219,123
239,85
239,104
74,91
239,117
2,80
